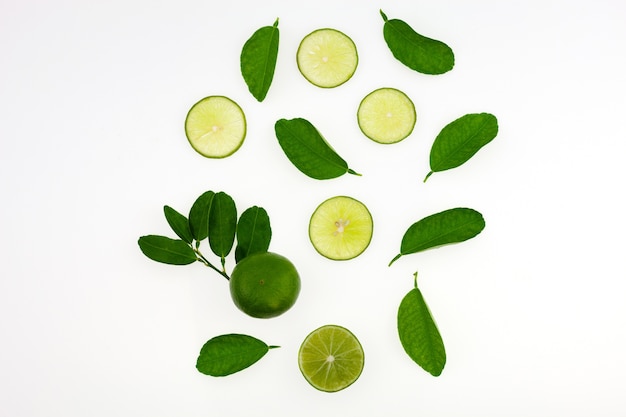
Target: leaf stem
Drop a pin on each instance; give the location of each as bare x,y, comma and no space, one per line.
395,259
350,171
415,279
428,175
273,347
205,261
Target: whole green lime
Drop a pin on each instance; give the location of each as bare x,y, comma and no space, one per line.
264,285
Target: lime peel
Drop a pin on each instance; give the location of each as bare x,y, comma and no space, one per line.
264,285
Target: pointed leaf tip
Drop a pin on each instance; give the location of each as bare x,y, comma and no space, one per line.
443,228
308,151
419,334
254,232
199,216
258,60
179,224
166,250
461,139
230,353
222,224
420,53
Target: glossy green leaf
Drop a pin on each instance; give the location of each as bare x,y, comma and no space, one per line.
222,224
226,354
460,140
166,250
253,232
421,54
307,149
449,226
418,333
258,60
178,223
199,216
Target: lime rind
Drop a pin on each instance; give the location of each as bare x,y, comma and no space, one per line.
327,58
386,115
341,228
331,358
215,127
264,285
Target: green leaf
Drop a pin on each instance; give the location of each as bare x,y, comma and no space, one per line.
307,149
421,54
460,140
258,60
226,354
418,333
178,223
222,224
199,216
449,226
166,250
253,232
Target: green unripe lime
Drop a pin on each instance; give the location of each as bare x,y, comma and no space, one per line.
264,285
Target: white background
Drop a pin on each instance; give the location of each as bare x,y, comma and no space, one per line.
93,97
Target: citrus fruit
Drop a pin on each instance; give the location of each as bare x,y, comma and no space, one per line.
264,285
327,58
331,358
341,228
386,115
215,126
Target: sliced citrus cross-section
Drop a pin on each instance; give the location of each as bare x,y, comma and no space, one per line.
215,126
386,115
331,358
327,57
341,228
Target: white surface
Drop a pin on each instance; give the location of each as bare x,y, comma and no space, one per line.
93,99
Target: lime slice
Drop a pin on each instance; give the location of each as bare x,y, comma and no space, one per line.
327,58
215,126
386,115
331,358
341,228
